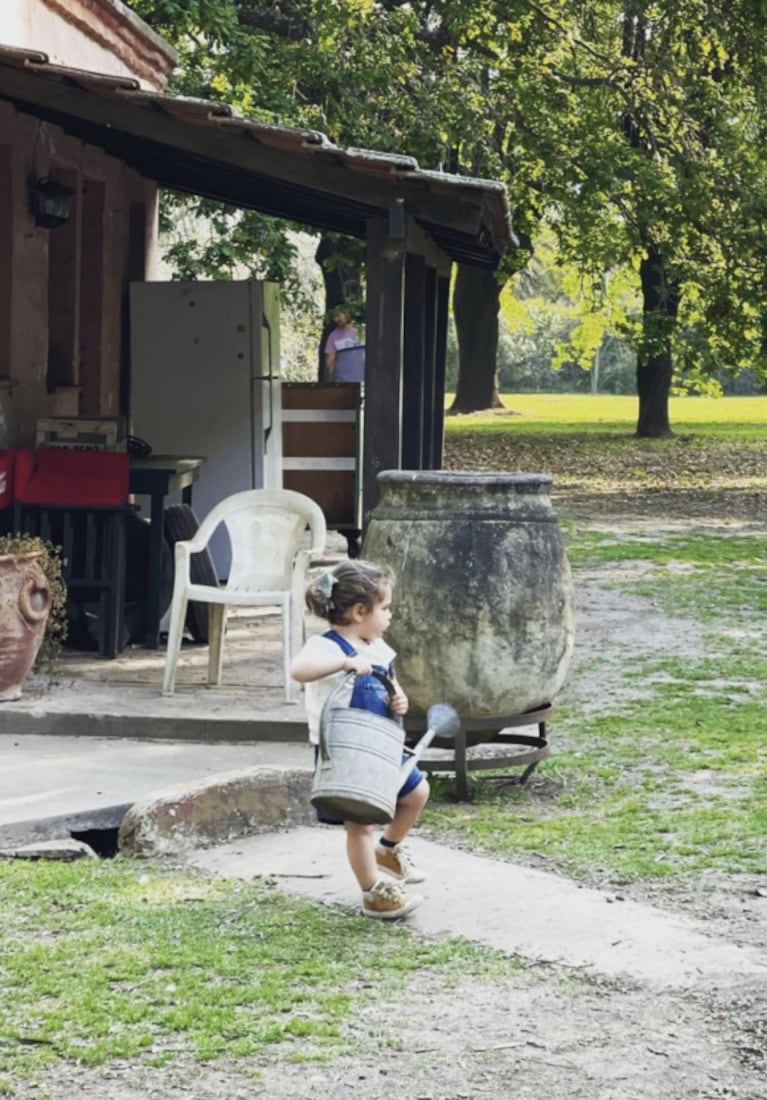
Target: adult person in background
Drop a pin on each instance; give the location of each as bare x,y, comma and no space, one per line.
344,354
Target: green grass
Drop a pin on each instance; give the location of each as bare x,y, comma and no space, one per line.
605,414
718,579
716,552
667,775
106,960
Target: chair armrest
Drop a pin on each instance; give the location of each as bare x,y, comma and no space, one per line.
182,552
198,541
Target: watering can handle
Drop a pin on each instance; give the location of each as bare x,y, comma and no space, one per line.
386,681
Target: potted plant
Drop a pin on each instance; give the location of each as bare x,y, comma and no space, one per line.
32,609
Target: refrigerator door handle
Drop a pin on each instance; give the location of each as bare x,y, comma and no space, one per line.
270,379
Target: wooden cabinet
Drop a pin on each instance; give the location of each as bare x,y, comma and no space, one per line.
321,447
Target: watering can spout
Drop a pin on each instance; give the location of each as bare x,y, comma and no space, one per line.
442,721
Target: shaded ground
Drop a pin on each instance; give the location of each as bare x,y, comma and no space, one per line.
684,478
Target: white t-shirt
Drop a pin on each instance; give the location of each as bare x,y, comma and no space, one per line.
377,652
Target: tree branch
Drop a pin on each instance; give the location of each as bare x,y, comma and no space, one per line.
284,20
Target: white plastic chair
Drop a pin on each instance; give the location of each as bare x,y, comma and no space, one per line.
266,530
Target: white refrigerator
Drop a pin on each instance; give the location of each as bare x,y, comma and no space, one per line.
205,383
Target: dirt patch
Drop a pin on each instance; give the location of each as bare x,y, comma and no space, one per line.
541,1036
742,510
614,629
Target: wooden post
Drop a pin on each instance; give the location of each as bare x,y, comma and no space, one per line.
91,328
6,260
440,366
414,372
431,395
440,369
64,294
382,444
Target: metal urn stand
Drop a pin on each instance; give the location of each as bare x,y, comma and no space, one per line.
525,750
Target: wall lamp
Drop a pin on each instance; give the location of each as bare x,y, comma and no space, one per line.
51,203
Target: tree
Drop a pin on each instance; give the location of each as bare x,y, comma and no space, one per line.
553,322
633,129
674,96
412,77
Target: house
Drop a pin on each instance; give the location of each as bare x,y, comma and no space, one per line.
62,343
82,110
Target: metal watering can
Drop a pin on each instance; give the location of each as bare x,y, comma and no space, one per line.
360,767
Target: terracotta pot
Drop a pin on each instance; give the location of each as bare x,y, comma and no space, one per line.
483,602
25,603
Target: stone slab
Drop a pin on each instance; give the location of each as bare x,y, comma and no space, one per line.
216,809
123,697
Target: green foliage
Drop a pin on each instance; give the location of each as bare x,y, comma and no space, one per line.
633,131
208,240
553,320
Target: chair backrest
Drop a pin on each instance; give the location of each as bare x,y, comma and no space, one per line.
266,530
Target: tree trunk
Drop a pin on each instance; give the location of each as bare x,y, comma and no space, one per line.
340,260
660,301
476,299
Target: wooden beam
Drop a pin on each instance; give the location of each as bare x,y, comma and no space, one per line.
174,150
414,375
430,394
420,243
385,278
440,368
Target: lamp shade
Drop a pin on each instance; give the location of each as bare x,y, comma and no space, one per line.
51,203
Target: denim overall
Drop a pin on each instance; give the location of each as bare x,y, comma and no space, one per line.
370,694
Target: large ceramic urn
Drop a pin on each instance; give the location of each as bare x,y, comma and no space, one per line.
25,603
483,600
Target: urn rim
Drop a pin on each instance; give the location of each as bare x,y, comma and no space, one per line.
490,478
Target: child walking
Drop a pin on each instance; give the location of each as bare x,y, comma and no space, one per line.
355,598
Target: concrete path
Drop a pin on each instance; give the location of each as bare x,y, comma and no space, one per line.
49,785
533,914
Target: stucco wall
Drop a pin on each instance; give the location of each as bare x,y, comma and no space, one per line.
101,35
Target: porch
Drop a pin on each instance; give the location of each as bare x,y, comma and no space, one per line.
123,697
111,143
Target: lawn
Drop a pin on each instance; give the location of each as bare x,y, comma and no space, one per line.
579,413
664,775
658,777
114,960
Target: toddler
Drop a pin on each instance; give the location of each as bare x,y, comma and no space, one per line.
355,599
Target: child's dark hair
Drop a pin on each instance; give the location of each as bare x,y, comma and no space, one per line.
333,594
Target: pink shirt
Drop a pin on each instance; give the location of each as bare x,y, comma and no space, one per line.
350,355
